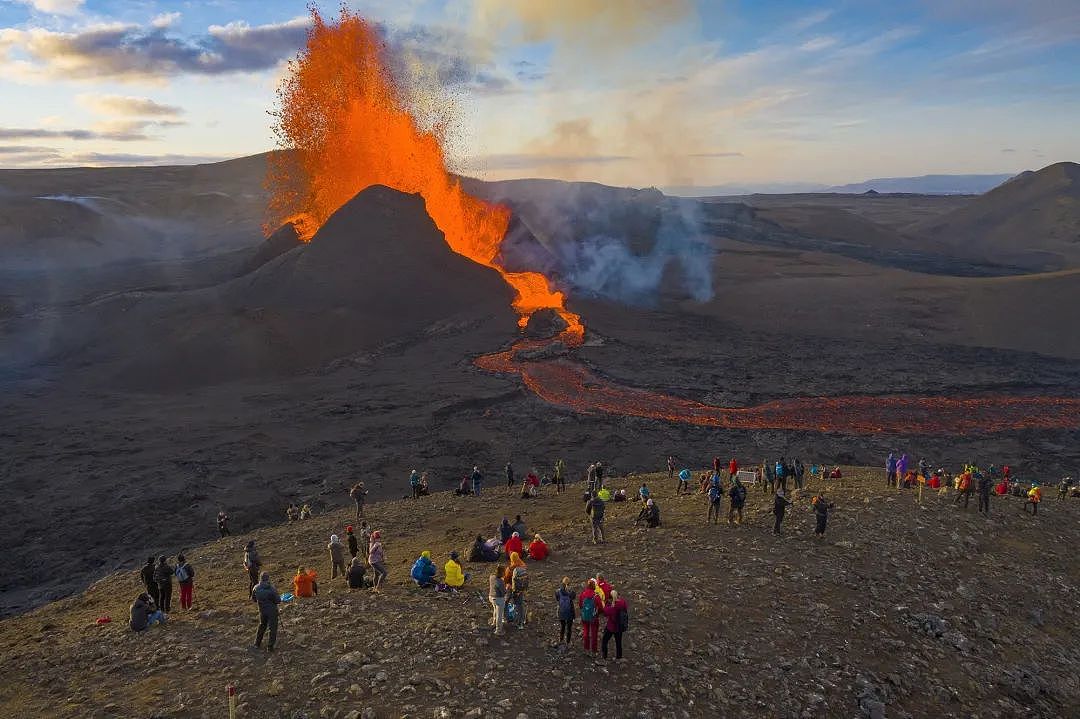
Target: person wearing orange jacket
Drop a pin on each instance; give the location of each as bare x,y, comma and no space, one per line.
513,545
1034,496
304,584
590,607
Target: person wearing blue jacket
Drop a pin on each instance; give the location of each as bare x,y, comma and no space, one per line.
414,483
890,470
423,571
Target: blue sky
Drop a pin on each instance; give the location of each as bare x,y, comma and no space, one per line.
642,92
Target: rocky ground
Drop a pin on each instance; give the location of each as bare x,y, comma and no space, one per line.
904,610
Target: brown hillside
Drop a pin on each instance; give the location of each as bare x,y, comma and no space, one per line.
1032,221
904,610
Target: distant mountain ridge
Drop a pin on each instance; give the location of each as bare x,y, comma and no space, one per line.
927,184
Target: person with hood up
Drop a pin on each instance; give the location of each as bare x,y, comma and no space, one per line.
185,577
515,562
618,619
590,607
267,597
163,575
356,572
482,552
538,548
148,580
423,570
890,470
305,583
414,483
143,613
506,530
354,546
1034,496
821,506
376,560
477,480
252,563
453,576
337,556
514,545
564,600
780,505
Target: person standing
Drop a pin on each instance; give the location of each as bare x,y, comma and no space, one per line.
377,560
890,470
768,472
671,466
365,539
589,606
252,563
986,483
354,547
590,480
564,598
337,557
414,483
519,585
716,500
822,506
799,471
163,575
266,596
737,496
185,577
1034,496
599,475
148,580
560,475
497,598
618,621
595,508
359,495
780,505
223,523
509,475
901,468
733,468
477,480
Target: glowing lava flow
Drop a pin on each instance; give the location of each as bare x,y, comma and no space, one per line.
570,384
349,126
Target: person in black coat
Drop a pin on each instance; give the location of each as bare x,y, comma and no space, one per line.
780,505
163,575
149,581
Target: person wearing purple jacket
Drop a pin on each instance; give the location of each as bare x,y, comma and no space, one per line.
901,468
890,470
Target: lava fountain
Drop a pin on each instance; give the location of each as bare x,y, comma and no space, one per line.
348,124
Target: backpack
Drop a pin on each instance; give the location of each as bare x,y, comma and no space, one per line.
715,493
588,609
519,580
511,611
182,573
566,605
738,494
623,620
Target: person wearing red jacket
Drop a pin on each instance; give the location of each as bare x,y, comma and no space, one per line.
589,609
614,611
513,544
604,586
733,467
538,548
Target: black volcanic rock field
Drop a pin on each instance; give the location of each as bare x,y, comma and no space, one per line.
150,382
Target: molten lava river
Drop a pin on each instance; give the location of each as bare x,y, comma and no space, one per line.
349,125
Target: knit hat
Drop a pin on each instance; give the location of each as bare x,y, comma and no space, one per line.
454,555
349,529
517,535
333,538
425,554
376,534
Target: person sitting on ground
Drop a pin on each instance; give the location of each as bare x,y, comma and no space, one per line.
836,473
424,489
538,548
356,572
1001,488
463,489
144,614
519,526
423,570
304,584
515,562
652,513
525,489
643,492
305,511
532,482
292,514
482,551
619,496
514,544
454,577
506,530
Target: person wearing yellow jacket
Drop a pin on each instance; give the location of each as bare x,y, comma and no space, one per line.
455,578
1034,497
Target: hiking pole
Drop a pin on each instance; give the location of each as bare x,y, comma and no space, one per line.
231,690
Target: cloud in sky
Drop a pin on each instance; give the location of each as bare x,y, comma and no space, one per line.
128,52
54,7
129,106
123,134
